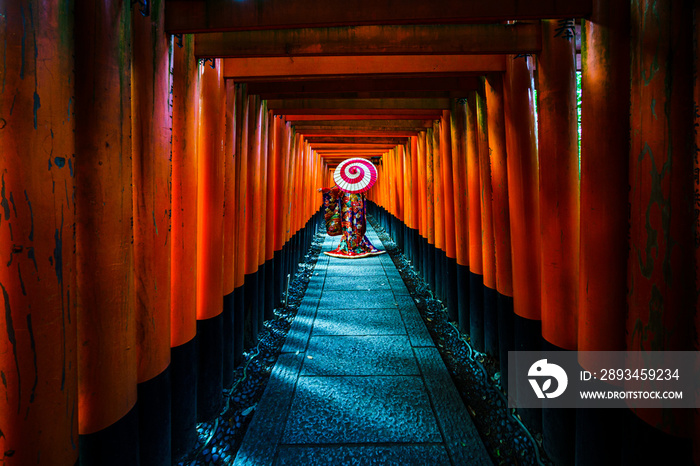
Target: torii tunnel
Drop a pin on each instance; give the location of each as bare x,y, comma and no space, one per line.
160,163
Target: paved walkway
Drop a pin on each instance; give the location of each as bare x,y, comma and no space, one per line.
359,380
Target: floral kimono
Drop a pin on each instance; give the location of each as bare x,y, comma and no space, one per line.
345,215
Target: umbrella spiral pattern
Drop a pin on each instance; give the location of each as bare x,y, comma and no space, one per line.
355,175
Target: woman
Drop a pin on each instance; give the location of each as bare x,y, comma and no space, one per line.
346,215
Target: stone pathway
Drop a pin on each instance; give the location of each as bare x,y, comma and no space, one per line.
359,380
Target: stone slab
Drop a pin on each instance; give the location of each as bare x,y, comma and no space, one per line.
357,283
342,410
300,331
359,355
350,268
398,286
389,455
361,262
417,331
270,415
358,322
461,437
357,300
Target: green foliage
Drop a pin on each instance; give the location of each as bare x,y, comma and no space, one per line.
578,116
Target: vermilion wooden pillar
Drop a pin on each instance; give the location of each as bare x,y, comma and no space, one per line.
279,144
305,184
271,214
439,210
300,164
523,203
604,178
241,167
38,354
476,278
151,148
385,192
661,269
415,203
298,161
383,187
394,202
407,201
559,186
448,189
107,413
390,186
183,242
285,207
423,204
430,211
402,182
604,210
251,225
501,220
488,251
230,187
400,201
523,187
559,215
210,233
458,127
387,204
295,141
260,212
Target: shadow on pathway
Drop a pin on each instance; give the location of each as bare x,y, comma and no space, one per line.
359,380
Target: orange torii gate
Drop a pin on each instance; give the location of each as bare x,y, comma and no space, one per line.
39,280
110,244
210,230
183,241
501,217
107,409
151,147
231,153
660,265
489,324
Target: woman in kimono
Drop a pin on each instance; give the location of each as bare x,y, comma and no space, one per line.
344,209
346,214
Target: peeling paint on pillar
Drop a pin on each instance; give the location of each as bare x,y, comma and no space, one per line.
38,355
151,154
183,236
661,269
151,119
